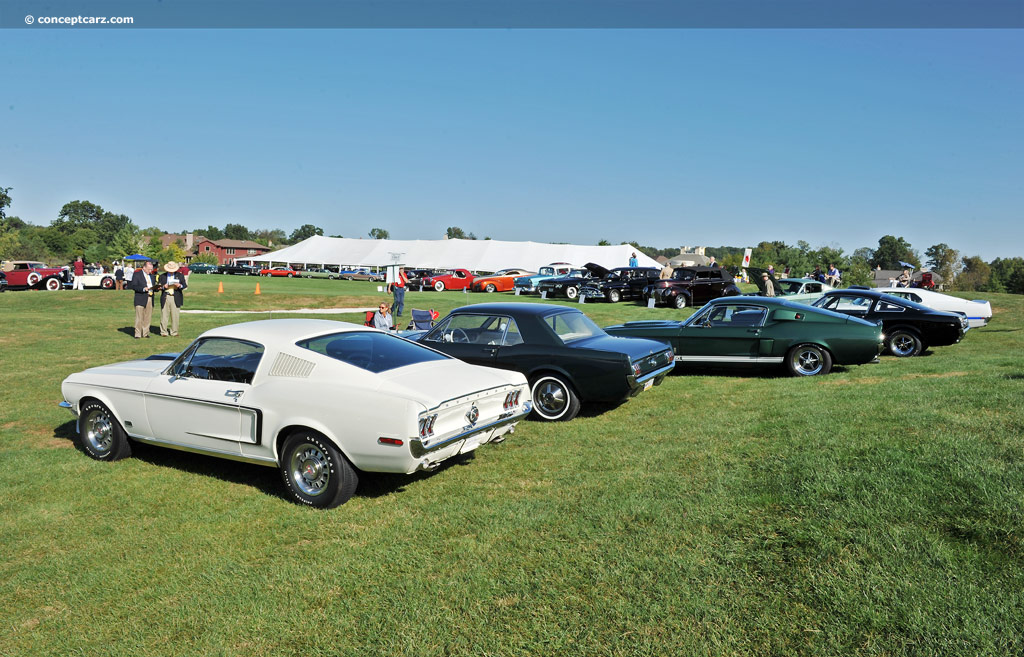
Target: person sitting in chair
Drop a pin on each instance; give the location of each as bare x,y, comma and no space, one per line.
833,275
382,318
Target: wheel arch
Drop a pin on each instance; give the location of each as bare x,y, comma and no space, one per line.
287,431
550,369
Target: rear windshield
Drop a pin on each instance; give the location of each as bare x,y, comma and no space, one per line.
371,350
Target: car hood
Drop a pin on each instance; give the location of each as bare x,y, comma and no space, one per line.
434,382
128,374
597,270
635,348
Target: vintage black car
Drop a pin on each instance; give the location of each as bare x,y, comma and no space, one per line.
621,283
569,286
910,328
416,276
238,270
692,286
565,356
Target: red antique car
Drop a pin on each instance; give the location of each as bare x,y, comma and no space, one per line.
454,279
280,271
499,281
32,275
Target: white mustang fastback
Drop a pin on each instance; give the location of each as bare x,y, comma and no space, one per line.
317,399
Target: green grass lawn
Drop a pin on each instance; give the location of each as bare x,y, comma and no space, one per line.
875,511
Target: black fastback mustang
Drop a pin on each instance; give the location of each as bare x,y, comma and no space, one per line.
910,328
566,357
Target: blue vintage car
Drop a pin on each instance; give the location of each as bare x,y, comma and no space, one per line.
529,283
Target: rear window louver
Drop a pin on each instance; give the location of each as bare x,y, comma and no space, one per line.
288,365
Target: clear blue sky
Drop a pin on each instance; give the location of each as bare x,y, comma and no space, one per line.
667,137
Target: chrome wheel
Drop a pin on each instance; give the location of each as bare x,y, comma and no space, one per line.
808,360
572,292
315,472
100,434
310,469
490,288
554,399
903,344
98,431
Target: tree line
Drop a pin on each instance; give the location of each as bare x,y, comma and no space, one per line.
85,229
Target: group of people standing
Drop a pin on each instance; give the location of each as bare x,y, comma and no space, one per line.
170,284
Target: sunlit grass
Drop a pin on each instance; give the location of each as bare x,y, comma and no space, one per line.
875,511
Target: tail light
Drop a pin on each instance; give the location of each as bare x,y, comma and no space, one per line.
427,425
512,399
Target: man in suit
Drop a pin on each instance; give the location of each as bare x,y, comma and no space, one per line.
172,282
144,284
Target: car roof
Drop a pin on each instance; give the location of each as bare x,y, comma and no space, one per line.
268,331
521,308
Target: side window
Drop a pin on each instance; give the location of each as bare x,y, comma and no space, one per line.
738,315
220,359
813,287
512,334
468,329
888,307
703,276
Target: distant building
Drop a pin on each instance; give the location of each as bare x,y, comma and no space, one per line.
230,251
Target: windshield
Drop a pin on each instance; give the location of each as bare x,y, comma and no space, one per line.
371,350
546,271
572,326
791,287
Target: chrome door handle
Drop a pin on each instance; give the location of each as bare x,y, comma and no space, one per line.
234,394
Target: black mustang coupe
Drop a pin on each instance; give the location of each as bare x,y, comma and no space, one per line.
910,328
566,357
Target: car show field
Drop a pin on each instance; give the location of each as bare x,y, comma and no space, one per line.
877,510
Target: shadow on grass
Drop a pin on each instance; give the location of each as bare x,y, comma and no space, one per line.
266,480
130,330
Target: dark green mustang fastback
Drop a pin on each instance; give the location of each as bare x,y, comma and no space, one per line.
763,331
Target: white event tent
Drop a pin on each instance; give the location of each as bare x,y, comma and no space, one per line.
475,255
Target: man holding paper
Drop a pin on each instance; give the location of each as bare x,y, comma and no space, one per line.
171,299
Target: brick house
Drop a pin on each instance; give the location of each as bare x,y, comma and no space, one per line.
230,251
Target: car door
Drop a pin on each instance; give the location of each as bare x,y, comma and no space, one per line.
468,337
200,400
722,333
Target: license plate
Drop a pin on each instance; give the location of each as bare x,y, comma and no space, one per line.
648,384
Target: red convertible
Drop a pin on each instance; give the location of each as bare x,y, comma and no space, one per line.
280,271
453,279
31,275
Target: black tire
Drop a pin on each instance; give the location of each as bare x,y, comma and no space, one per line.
439,286
572,292
904,343
107,283
315,472
554,400
100,434
614,296
490,287
808,360
680,301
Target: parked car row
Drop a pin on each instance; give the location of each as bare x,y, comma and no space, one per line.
322,401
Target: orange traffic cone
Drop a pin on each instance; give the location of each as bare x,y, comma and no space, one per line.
220,287
257,289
